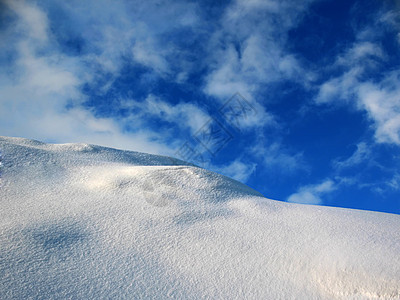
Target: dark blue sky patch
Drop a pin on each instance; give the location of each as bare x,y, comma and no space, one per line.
324,31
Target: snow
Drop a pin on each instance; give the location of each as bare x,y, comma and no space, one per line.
80,221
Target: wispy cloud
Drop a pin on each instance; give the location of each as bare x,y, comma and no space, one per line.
237,169
313,194
183,115
379,98
381,101
361,52
249,50
394,183
275,157
361,154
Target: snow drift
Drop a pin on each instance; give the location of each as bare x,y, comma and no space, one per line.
86,222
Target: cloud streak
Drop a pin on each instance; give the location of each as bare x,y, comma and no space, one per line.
357,86
313,194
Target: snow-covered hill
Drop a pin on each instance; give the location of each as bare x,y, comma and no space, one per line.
85,222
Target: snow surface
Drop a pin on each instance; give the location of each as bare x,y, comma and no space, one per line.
80,221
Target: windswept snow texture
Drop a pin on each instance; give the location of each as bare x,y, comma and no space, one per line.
86,222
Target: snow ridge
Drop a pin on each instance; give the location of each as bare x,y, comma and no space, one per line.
80,221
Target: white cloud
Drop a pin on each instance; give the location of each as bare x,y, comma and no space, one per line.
276,157
361,52
361,154
245,6
46,74
184,115
380,100
245,74
148,55
237,170
245,70
35,22
248,51
117,33
311,194
394,183
364,85
339,88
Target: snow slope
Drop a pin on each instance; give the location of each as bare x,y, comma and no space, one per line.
85,222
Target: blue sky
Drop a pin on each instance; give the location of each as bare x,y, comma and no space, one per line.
298,99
